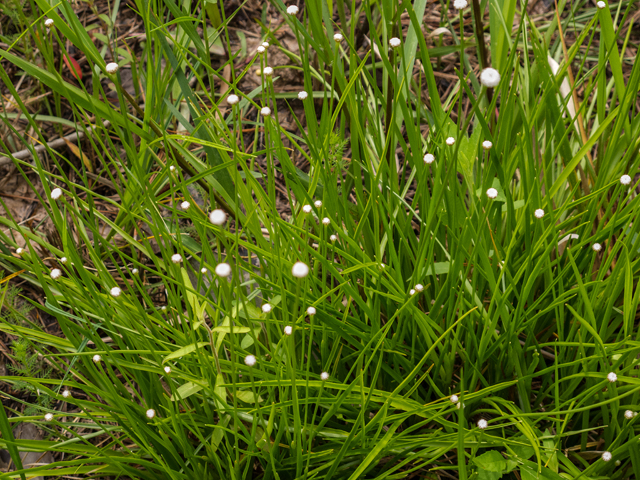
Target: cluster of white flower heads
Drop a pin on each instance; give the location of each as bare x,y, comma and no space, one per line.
333,237
96,358
454,398
629,414
326,221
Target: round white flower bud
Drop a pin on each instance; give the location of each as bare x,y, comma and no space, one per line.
112,68
185,205
539,213
250,360
490,77
628,414
300,270
450,141
134,271
223,269
292,10
606,456
460,405
266,44
48,22
203,270
217,217
625,179
63,260
454,398
324,376
167,369
176,258
66,394
395,42
115,292
172,168
48,417
151,413
56,273
492,193
56,193
482,424
288,330
306,208
261,49
318,203
233,99
412,292
460,4
96,358
303,95
266,307
19,250
419,287
333,238
267,72
612,377
326,221
163,308
487,144
266,111
601,5
338,37
596,247
311,311
429,159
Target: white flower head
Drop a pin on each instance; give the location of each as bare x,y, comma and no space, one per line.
56,273
460,405
300,270
625,179
151,413
134,271
429,159
203,270
419,287
333,237
176,258
185,205
460,4
268,71
56,193
48,417
606,456
115,292
48,22
311,311
450,141
261,49
266,111
266,44
172,168
338,37
112,68
233,99
395,42
66,394
601,5
324,376
454,398
266,307
288,330
596,247
167,369
539,213
318,203
612,377
163,308
326,221
217,217
223,269
292,10
482,424
19,250
487,144
97,358
303,95
490,77
306,208
492,193
412,292
250,360
628,414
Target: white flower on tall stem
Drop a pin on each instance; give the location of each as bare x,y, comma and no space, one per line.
303,95
56,273
318,203
338,37
267,72
450,141
233,99
625,179
292,10
539,213
306,208
288,330
266,44
311,311
56,193
66,393
185,205
261,49
482,424
607,456
97,358
395,42
412,292
167,369
223,270
490,77
250,360
419,287
326,221
601,5
324,376
492,193
454,398
112,68
429,159
115,291
48,22
176,258
48,417
266,307
172,168
333,238
300,270
19,250
628,414
460,4
217,217
487,144
265,112
596,247
151,413
612,377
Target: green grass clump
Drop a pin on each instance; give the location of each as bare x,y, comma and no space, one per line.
440,331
